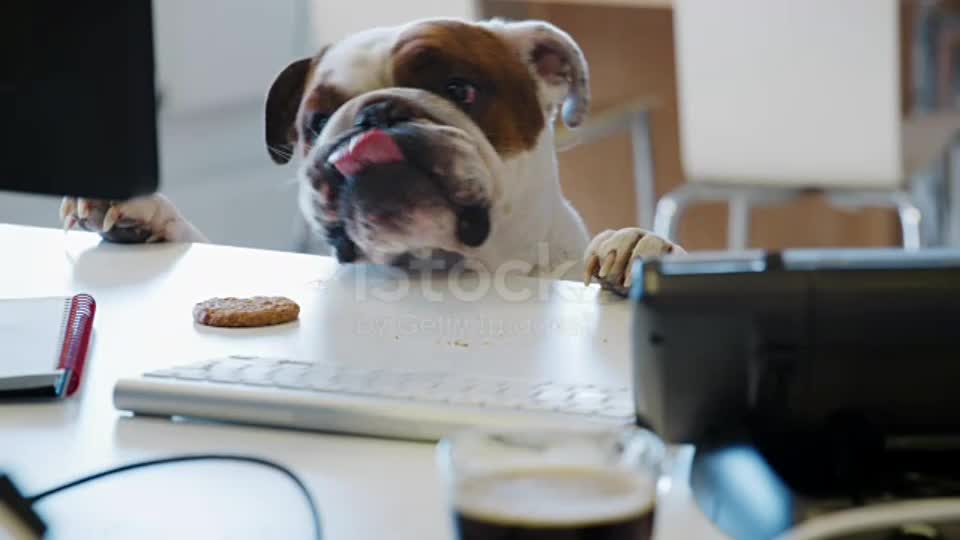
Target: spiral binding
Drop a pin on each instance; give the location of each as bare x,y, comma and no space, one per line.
75,335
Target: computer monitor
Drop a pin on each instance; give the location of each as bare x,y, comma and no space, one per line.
77,98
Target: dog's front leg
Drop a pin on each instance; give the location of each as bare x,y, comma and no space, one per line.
152,218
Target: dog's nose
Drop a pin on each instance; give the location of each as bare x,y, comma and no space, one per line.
473,225
383,114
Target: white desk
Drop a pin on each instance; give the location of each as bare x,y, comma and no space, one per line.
366,488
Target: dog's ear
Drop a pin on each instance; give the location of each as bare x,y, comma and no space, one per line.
283,103
556,60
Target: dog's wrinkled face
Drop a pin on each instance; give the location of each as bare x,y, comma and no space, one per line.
406,133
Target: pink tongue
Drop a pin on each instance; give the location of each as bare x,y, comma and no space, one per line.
372,147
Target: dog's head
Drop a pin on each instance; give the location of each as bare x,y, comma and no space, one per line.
417,138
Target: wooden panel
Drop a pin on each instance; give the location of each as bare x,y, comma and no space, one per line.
631,54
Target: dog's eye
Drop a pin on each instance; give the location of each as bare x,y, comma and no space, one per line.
316,123
462,92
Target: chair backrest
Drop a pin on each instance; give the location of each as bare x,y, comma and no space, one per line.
790,92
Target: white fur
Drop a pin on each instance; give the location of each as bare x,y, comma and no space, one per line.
358,63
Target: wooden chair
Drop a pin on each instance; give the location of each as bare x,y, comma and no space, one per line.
779,97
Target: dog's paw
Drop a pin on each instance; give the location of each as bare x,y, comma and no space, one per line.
610,256
144,219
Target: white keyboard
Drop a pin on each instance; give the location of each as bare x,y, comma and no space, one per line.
392,403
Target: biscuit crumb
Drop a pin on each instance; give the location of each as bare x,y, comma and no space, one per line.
458,343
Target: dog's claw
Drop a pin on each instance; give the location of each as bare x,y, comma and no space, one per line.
607,264
623,258
627,280
590,268
110,219
67,207
67,217
83,209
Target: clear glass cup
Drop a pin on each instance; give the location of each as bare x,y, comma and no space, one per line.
584,484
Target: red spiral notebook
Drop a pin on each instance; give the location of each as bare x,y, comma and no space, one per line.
43,344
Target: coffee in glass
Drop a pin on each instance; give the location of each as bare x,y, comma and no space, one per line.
553,485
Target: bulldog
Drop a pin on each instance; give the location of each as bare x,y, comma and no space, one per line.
430,141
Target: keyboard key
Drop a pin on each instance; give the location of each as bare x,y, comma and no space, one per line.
413,389
291,377
384,381
449,391
257,374
319,384
322,382
203,364
471,398
162,374
354,383
232,363
534,405
320,371
468,382
515,395
224,373
436,396
552,393
578,407
452,387
420,387
487,387
589,396
282,362
190,374
622,410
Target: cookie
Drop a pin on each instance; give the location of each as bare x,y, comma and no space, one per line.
246,312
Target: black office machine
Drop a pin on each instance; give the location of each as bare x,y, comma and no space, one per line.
809,380
78,101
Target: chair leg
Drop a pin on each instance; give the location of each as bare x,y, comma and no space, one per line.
643,169
666,217
910,216
952,217
907,210
738,222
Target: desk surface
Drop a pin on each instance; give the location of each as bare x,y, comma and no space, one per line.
366,488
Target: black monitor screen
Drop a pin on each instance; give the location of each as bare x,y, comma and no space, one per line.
77,98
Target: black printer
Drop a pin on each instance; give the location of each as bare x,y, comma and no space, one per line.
808,380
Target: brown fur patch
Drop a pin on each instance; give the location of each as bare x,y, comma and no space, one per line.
507,108
283,107
322,99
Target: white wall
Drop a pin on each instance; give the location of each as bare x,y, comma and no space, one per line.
334,19
216,53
